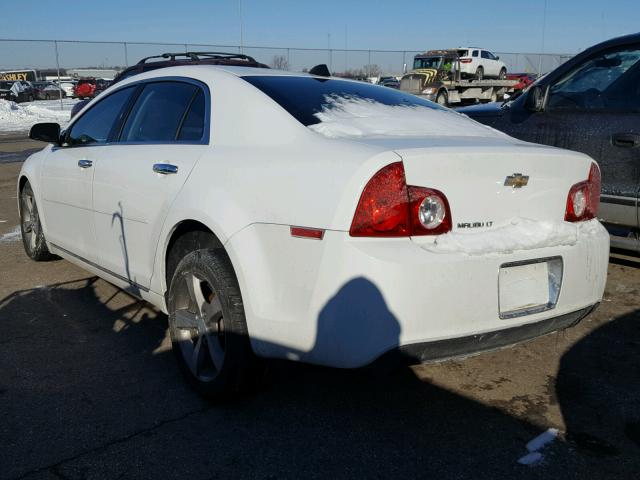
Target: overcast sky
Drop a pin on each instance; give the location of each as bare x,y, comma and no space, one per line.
506,26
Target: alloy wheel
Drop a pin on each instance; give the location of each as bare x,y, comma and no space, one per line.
198,327
30,224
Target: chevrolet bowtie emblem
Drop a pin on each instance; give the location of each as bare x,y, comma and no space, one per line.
517,180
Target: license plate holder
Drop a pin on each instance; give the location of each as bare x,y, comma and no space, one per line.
529,287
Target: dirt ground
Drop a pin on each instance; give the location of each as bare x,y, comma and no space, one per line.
89,389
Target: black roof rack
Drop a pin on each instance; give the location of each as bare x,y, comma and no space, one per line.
196,56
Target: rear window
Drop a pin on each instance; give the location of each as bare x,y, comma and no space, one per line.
463,53
304,97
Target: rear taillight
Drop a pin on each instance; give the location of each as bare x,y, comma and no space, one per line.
390,208
465,60
584,198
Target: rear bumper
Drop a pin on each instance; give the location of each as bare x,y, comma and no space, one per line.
344,301
484,342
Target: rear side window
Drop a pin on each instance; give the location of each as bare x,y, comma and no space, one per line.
95,125
193,125
475,53
159,112
463,53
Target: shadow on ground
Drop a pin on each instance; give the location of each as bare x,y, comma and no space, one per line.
87,391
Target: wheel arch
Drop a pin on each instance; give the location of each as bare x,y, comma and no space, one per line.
186,236
22,181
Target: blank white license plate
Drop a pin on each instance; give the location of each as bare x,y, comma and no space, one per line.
523,287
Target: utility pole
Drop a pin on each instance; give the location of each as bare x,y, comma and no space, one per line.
241,27
544,25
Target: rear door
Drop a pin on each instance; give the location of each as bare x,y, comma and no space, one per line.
491,68
139,175
595,109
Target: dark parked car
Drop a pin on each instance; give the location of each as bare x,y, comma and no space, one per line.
590,104
47,91
5,92
20,90
391,82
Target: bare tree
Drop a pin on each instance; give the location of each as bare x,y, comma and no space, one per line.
280,62
372,70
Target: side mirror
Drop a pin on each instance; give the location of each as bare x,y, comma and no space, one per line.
537,98
45,132
497,57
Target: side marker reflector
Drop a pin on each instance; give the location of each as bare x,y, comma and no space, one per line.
313,233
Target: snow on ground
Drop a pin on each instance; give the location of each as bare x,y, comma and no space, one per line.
13,236
20,117
518,234
344,117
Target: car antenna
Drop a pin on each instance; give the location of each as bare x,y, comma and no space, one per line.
320,70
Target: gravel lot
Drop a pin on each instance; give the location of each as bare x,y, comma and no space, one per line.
89,389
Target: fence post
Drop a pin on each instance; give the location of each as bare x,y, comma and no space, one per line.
55,44
404,62
288,58
126,55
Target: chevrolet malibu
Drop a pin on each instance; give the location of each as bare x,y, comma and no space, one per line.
279,215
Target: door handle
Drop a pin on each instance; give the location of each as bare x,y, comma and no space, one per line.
625,140
85,163
165,168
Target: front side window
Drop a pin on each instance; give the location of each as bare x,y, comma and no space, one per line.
95,125
485,54
605,81
159,112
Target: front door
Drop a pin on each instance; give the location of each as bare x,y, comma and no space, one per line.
140,174
67,177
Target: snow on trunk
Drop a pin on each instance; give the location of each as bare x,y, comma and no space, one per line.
519,234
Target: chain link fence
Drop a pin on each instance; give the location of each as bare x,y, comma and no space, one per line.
67,56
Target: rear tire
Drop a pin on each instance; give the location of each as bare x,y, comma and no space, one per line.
208,327
479,73
33,239
503,74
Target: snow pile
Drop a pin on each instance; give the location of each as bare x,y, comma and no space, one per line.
10,237
14,117
519,234
344,117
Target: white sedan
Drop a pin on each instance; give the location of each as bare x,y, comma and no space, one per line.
279,215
